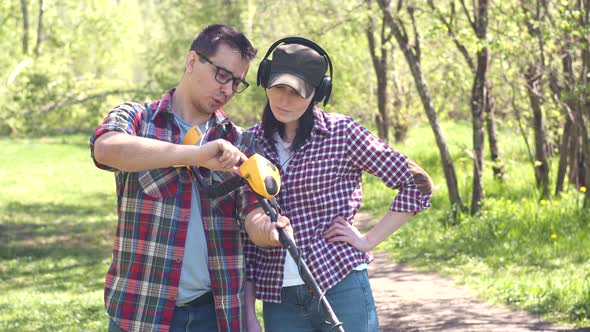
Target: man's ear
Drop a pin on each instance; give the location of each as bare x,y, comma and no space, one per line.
190,60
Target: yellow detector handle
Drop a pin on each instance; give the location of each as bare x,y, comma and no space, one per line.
262,176
191,137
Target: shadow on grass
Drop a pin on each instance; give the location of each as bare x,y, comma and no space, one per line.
56,246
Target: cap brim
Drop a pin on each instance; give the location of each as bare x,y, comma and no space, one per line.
303,88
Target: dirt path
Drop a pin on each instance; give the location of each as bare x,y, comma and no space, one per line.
408,300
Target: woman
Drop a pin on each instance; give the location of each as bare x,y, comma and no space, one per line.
321,157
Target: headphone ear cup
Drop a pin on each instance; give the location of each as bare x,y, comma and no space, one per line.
263,73
323,90
327,83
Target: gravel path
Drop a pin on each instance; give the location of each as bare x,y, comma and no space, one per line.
408,300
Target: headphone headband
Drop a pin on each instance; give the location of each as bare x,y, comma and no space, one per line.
323,90
304,42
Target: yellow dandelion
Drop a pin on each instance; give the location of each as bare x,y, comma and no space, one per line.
583,189
553,236
543,202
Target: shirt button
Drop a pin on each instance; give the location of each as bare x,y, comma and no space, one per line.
178,259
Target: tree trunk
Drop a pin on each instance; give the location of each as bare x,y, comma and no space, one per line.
575,158
381,66
567,153
412,55
400,117
40,28
490,109
447,161
23,7
383,117
497,166
533,81
478,104
584,8
563,148
477,112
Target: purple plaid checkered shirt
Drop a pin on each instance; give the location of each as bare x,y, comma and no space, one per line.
323,181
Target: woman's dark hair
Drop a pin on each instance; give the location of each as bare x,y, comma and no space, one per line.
270,124
209,40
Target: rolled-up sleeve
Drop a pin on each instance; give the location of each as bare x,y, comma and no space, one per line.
124,118
371,155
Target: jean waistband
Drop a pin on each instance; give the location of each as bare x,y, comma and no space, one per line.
206,298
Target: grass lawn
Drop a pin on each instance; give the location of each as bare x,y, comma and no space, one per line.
57,221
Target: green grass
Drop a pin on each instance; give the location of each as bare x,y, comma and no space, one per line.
58,218
529,254
57,221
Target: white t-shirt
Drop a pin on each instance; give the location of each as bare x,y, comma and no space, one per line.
290,272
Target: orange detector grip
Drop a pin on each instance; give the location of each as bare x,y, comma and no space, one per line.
191,137
262,176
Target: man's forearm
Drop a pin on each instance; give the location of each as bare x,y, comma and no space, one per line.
250,299
132,153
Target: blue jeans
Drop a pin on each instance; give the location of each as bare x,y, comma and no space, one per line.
351,300
187,319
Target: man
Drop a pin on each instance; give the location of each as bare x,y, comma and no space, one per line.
177,259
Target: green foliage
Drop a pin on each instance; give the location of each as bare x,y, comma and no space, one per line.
94,47
83,53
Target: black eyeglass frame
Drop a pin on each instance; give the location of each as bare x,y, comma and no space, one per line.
218,69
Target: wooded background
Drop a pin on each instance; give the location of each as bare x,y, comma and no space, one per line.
499,65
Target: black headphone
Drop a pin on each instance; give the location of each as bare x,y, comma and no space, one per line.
323,91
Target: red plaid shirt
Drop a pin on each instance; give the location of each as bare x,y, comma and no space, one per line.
154,209
323,181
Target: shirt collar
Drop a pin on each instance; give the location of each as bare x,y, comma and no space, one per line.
162,106
319,121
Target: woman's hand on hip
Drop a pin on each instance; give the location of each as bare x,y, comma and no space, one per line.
342,231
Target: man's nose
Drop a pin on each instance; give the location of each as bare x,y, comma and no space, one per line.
227,88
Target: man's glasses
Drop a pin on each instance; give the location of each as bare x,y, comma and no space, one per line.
224,76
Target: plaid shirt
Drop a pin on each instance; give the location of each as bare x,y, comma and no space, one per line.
154,208
323,181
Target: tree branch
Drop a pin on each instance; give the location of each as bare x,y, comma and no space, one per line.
370,30
25,37
466,11
40,28
70,102
451,32
417,49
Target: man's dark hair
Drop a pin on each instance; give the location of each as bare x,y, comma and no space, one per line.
209,40
270,124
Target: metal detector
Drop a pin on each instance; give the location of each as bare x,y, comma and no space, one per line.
264,179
